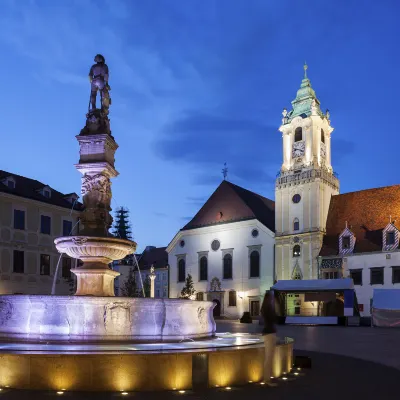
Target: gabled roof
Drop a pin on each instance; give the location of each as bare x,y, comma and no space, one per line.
367,213
30,189
156,256
232,203
313,285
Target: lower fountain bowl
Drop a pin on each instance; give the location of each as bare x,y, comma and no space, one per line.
103,319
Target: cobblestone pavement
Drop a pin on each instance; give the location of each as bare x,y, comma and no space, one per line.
381,345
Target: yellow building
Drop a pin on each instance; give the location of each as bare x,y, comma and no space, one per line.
32,215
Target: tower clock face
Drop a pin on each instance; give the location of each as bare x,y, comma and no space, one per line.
323,150
298,149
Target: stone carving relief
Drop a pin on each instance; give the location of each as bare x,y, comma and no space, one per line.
202,316
117,318
215,285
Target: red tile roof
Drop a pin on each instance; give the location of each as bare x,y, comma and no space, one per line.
232,203
367,213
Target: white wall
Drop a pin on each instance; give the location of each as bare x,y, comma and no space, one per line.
237,237
365,262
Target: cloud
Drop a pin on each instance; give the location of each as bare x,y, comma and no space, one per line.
206,141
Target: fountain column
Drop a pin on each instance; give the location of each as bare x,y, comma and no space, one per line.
95,246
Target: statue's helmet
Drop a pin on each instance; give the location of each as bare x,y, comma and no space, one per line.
99,58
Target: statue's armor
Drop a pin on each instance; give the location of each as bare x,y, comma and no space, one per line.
99,82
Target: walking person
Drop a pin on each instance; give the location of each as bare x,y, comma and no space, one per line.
269,333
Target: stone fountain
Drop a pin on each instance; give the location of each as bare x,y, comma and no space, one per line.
94,314
94,341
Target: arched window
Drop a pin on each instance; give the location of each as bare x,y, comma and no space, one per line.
203,269
296,224
227,270
296,251
181,270
255,264
199,296
232,298
322,136
298,135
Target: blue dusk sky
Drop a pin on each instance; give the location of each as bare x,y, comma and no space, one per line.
196,84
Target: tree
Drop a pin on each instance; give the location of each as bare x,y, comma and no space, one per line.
130,288
122,228
188,291
147,286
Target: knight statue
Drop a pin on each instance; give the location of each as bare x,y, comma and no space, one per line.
98,76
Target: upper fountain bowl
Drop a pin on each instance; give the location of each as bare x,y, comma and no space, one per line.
96,250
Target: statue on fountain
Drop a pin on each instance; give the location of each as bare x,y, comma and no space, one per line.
97,120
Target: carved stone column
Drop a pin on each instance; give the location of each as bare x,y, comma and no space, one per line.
152,279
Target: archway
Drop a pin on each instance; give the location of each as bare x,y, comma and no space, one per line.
217,308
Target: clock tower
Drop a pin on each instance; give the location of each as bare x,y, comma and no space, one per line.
304,186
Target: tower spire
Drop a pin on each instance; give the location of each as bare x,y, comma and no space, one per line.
305,67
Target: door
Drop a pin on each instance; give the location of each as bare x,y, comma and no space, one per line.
255,308
217,308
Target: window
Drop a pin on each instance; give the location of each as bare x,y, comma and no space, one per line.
164,292
45,224
215,245
377,276
296,198
66,268
19,219
296,251
44,264
322,136
395,274
390,238
46,193
157,293
182,243
298,135
181,270
356,275
255,264
203,269
254,233
67,228
232,298
345,242
11,184
296,224
199,296
227,273
331,275
18,263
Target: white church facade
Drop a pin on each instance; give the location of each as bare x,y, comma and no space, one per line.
228,249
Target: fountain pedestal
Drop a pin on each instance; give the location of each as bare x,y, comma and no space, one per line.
95,246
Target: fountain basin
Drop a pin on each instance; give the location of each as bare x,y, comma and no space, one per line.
95,251
102,319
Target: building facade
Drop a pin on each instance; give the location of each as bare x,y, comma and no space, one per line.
228,249
32,215
362,242
156,257
304,186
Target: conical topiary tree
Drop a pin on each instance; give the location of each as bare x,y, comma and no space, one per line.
130,288
122,228
188,290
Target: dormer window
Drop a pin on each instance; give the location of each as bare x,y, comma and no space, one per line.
46,193
9,182
345,242
390,238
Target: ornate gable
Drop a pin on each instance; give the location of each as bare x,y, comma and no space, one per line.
347,241
296,273
390,237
